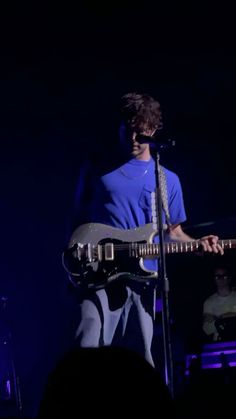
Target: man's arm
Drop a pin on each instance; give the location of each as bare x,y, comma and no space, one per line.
209,243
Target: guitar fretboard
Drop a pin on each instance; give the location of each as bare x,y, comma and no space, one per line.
152,249
149,249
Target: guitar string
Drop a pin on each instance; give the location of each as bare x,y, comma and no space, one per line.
194,244
171,247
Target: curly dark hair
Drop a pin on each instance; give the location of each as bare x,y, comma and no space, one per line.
139,110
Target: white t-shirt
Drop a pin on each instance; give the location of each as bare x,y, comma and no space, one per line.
217,306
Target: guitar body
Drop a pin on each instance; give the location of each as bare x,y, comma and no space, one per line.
99,254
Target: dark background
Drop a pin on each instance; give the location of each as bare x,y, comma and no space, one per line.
62,74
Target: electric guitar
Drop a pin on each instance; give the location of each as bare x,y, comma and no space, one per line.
98,254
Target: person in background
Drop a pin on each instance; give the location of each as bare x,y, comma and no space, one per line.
219,306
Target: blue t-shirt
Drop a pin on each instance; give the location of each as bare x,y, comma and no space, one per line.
122,198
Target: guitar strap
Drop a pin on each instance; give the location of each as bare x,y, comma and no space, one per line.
164,198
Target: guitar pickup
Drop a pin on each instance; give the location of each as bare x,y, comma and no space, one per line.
84,251
109,251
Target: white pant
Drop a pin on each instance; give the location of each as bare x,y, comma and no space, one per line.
128,324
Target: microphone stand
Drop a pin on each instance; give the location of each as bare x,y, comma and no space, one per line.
162,275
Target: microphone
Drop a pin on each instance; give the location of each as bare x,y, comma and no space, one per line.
154,141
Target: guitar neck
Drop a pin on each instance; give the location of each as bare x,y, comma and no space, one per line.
152,249
228,244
